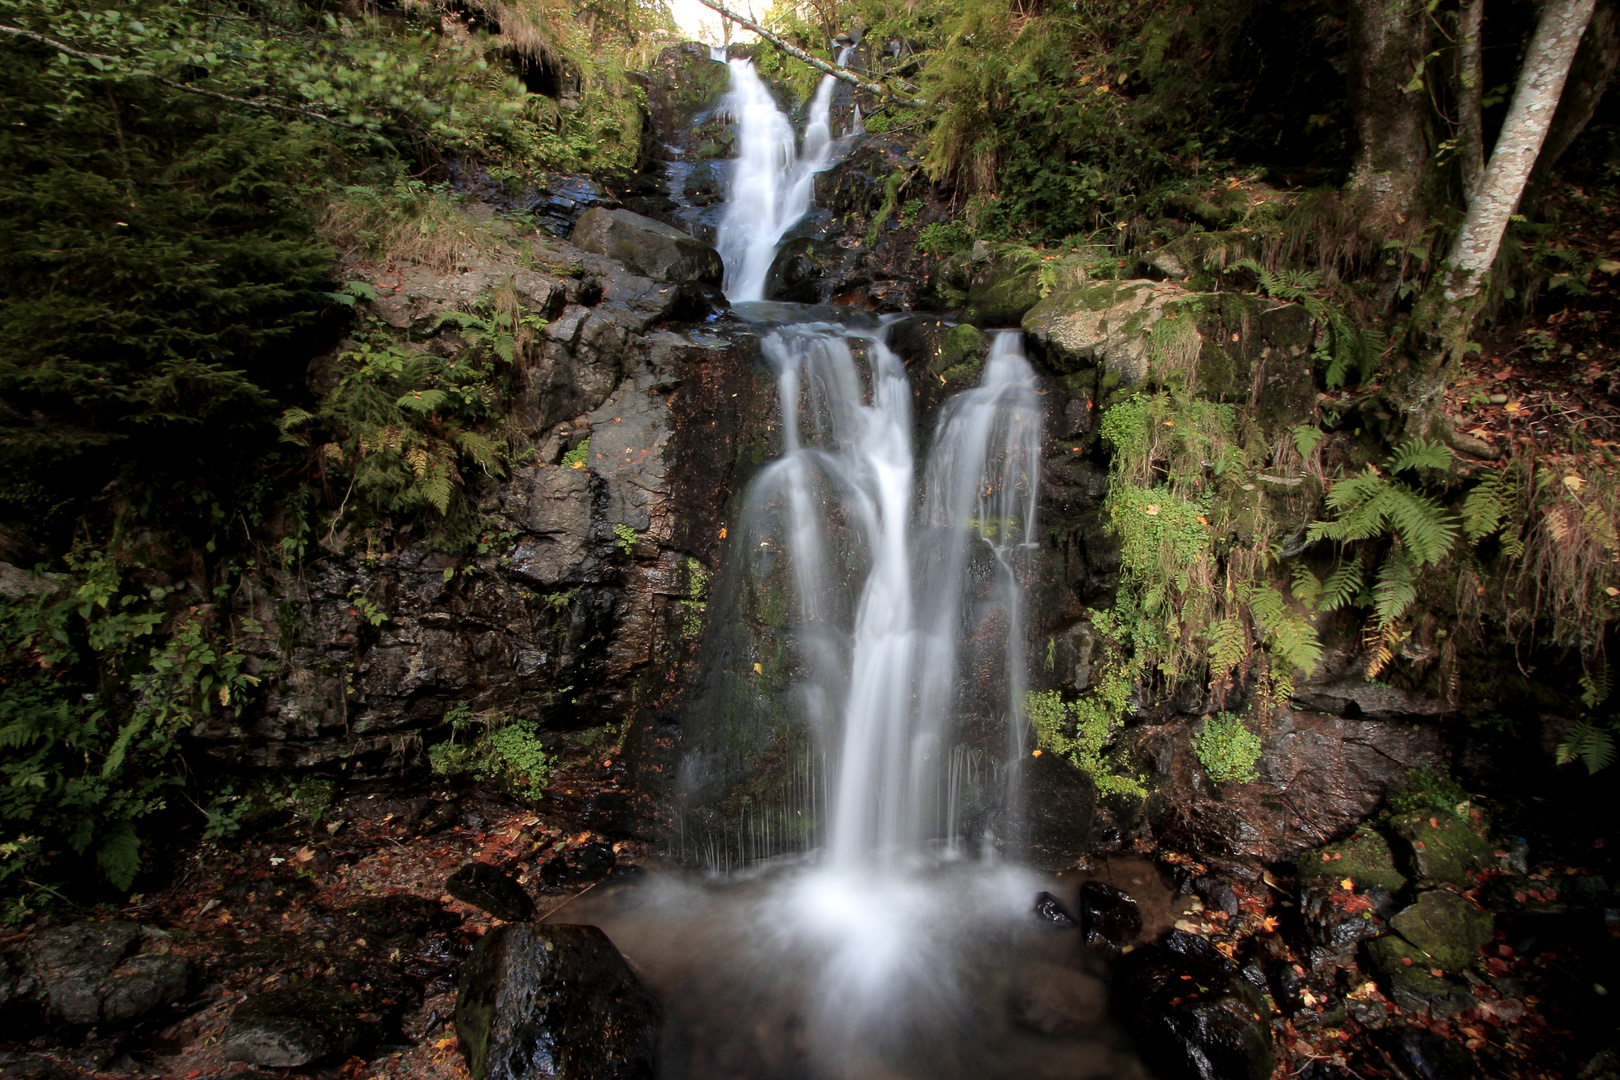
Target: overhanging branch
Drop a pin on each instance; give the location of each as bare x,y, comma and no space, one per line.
841,73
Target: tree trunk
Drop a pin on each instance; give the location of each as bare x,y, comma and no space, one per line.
1443,319
1388,42
1470,90
1589,77
1535,99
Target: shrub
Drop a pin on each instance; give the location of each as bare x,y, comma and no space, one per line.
1228,750
506,752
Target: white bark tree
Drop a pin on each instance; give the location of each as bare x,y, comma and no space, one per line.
1524,129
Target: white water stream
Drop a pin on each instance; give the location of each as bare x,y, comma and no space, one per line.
887,952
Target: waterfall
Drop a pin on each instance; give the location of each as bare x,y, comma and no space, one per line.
893,689
772,178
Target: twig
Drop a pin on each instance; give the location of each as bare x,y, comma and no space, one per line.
837,72
80,54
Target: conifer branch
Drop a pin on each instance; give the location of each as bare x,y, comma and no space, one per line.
106,58
841,73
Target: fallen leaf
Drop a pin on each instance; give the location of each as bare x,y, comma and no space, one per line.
1437,973
1269,924
1609,266
1513,406
1611,590
1573,482
1479,433
1169,423
1152,510
759,669
722,532
1348,885
1035,753
1202,520
1434,823
1406,960
304,855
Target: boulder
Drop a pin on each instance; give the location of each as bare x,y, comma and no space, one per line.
1004,287
1102,325
592,862
101,973
1337,920
554,1001
650,248
487,888
1442,849
1050,911
1109,918
297,1025
1191,1015
1447,928
1411,980
1364,858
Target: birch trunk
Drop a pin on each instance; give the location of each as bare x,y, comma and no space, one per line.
1388,42
1535,99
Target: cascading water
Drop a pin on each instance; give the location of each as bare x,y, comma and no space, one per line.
880,950
771,180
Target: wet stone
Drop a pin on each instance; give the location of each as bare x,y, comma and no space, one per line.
1050,911
1109,918
485,887
1448,928
1191,1015
579,866
109,972
297,1025
437,817
1337,920
1424,1055
1443,849
1365,859
554,1001
1411,981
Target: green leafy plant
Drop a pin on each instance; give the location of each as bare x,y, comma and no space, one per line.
1228,750
696,601
496,749
1084,730
628,538
579,456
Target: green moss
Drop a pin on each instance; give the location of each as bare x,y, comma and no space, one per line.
1365,859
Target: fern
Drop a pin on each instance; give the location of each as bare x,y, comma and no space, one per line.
1395,589
1368,505
1592,745
1342,585
1596,687
1307,437
1228,646
1289,636
1307,587
1420,454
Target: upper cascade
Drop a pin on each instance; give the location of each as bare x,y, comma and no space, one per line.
773,177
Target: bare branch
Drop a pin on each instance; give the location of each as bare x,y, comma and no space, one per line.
80,54
841,73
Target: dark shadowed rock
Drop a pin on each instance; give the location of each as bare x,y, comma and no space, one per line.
109,972
661,252
1051,911
1191,1015
1409,977
1424,1055
554,1001
297,1025
1337,920
1108,916
485,887
578,866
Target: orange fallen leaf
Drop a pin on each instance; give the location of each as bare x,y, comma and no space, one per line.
1348,885
722,532
1036,753
1513,406
1152,510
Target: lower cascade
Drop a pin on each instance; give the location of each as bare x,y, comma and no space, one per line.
874,920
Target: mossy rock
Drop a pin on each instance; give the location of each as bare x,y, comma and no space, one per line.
961,355
1441,849
1447,928
1409,976
1005,287
1365,859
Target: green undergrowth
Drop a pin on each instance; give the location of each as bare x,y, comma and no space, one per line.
100,681
1228,750
494,749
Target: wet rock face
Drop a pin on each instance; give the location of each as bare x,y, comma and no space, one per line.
1191,1015
485,887
554,1001
647,247
1109,918
93,973
1319,777
300,1025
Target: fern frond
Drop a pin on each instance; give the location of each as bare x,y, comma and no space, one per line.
1593,745
1595,687
482,450
1307,437
1485,507
1307,587
1341,586
1420,454
421,401
1228,646
1423,525
436,486
1395,588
